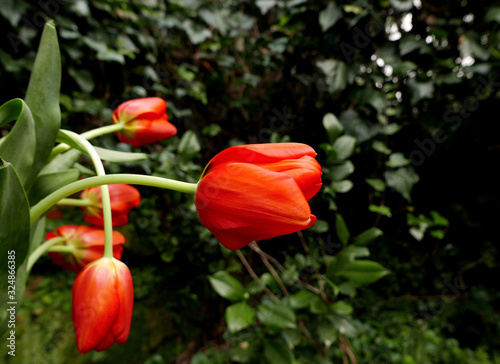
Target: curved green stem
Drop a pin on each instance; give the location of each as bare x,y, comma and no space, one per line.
132,179
94,133
73,202
42,248
106,200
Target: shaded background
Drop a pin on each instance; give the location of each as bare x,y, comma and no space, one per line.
416,84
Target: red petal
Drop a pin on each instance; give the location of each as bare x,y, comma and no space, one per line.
146,108
240,203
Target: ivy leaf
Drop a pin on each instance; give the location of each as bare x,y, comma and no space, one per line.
276,316
226,286
329,16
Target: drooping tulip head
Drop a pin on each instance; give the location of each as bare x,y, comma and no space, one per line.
103,298
123,198
87,243
145,121
258,191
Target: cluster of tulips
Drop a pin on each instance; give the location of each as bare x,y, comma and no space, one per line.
245,193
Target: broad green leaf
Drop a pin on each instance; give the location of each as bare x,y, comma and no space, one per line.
327,332
367,236
47,183
62,162
329,16
18,147
42,98
189,145
318,306
344,146
341,228
344,259
276,316
335,72
320,226
376,183
363,271
341,308
402,180
196,33
341,171
239,316
343,325
14,238
342,186
380,147
301,299
397,160
277,352
226,286
359,127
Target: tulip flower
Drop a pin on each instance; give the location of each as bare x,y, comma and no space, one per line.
123,199
256,192
88,244
103,298
145,121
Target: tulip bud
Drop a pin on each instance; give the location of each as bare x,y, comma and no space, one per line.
257,192
146,121
103,298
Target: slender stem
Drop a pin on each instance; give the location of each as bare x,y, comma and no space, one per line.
68,249
105,198
255,276
73,202
42,248
103,130
132,179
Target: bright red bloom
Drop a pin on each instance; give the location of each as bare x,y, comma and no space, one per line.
258,191
123,199
103,298
146,121
88,244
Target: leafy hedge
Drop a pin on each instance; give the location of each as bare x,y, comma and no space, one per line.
397,97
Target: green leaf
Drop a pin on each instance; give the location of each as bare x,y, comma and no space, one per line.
277,352
14,238
239,316
42,98
382,210
344,146
368,236
342,186
18,147
318,306
341,308
397,160
341,171
376,183
47,183
327,332
402,5
189,145
364,272
332,126
341,228
119,157
227,286
380,147
276,316
301,299
402,180
196,33
329,16
335,72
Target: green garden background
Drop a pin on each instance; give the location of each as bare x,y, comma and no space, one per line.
400,100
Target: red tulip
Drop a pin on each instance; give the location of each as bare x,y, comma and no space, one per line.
259,191
146,121
88,244
123,199
103,298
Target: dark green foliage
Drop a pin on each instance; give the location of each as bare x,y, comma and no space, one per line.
397,97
